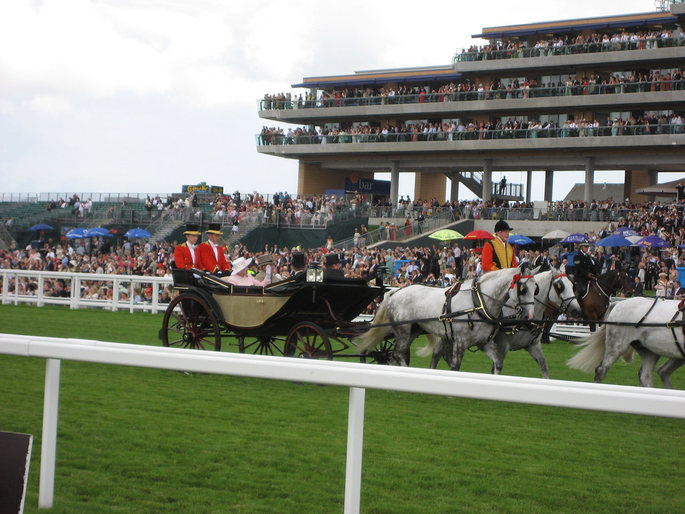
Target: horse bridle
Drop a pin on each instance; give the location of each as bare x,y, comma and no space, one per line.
565,302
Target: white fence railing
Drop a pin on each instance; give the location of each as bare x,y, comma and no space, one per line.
112,292
358,377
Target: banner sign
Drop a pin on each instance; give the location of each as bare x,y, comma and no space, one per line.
356,184
202,188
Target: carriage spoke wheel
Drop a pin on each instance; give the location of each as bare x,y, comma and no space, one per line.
259,345
189,323
381,353
309,341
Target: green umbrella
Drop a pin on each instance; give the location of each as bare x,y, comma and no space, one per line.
446,235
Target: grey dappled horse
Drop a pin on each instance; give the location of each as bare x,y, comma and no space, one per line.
417,309
643,328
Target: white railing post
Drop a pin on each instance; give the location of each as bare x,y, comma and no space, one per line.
355,445
48,445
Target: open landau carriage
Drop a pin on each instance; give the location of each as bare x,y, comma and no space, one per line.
306,315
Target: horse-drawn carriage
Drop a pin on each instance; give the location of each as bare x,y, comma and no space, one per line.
307,315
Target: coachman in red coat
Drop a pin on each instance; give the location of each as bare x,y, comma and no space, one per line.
211,253
186,254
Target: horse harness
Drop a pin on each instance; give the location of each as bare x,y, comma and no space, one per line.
672,324
479,306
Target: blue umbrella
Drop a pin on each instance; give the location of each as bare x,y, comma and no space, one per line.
613,241
576,238
653,242
517,239
138,233
624,232
98,232
40,226
76,233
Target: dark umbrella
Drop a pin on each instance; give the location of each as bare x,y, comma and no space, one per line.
653,242
517,239
613,241
76,233
138,233
576,238
98,232
40,226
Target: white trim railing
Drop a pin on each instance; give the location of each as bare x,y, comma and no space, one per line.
358,377
35,288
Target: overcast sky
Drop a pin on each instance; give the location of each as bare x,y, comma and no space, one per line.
147,95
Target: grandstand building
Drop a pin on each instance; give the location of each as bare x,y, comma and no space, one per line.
573,95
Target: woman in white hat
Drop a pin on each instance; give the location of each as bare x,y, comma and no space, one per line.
240,277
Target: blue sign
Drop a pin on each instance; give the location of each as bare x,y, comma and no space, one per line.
367,185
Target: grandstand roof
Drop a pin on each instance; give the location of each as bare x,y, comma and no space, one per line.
399,75
559,27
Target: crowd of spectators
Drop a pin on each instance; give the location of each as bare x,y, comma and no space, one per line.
636,81
569,44
434,265
497,128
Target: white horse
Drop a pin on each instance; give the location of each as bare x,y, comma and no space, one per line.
554,292
467,318
642,326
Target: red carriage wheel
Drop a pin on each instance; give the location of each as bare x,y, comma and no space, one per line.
189,323
259,345
308,340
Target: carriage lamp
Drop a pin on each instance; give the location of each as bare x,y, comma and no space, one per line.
381,277
314,273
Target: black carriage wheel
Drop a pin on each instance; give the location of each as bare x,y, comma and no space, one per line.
381,353
308,340
189,323
259,345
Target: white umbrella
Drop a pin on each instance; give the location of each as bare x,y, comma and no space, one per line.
555,234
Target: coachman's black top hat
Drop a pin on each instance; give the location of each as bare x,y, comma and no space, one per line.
214,228
192,230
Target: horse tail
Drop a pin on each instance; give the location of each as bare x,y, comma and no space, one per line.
428,350
591,353
375,335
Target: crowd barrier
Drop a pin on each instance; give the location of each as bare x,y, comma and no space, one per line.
114,292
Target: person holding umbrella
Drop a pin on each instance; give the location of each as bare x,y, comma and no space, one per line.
498,253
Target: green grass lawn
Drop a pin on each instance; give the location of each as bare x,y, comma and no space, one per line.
143,440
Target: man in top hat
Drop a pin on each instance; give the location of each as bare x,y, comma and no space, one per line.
498,253
186,254
262,262
333,267
210,253
585,268
240,276
298,263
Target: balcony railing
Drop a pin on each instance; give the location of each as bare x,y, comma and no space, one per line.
552,49
472,134
569,89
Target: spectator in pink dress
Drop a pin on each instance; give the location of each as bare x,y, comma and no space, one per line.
240,277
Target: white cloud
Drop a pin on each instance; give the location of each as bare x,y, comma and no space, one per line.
131,94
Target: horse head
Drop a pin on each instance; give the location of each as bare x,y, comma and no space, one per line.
561,293
522,291
616,281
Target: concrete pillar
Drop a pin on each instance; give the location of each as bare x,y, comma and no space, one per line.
454,186
429,185
487,180
653,177
589,179
529,185
394,182
549,185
